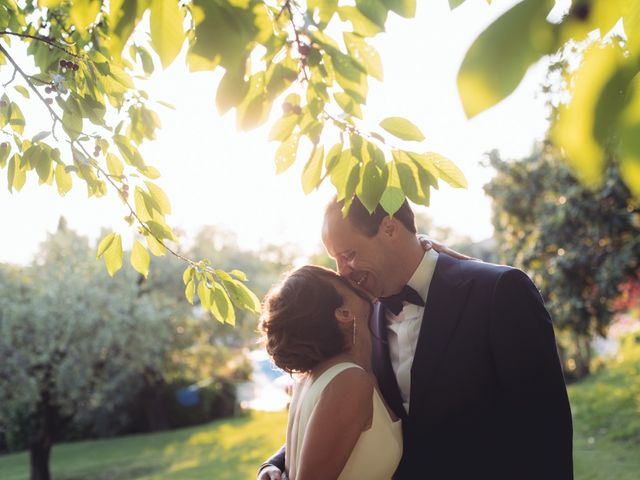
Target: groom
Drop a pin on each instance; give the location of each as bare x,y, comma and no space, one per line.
464,353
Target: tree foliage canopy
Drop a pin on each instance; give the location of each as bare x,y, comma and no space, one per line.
580,246
83,61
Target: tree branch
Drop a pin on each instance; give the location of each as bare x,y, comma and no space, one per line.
41,39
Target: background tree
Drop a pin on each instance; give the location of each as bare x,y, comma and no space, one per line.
73,341
82,60
85,356
599,43
579,245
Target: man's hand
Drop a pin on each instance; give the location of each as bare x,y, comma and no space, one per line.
270,472
429,244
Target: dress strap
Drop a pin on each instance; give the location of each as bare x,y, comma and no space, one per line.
329,374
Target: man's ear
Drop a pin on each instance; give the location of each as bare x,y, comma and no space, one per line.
343,315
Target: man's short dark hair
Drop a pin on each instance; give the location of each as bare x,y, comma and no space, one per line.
369,223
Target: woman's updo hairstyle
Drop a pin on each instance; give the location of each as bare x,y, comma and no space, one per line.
298,319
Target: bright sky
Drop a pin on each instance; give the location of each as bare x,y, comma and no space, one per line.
215,175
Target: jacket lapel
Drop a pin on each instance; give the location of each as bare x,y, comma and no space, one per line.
446,299
382,362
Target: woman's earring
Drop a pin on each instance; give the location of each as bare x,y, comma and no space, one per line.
354,329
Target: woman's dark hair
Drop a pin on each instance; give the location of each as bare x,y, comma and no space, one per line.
298,319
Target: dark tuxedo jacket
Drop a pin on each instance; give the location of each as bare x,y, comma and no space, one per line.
488,398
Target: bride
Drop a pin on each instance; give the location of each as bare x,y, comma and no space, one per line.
315,324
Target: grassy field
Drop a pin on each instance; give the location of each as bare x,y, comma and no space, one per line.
606,409
606,419
223,450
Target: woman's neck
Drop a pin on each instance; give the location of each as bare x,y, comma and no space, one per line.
359,354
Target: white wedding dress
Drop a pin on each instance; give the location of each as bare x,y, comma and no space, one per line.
377,452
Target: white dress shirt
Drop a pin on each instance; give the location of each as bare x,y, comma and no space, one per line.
403,329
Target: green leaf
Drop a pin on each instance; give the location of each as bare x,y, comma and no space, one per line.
140,259
16,120
113,255
345,175
283,128
239,275
187,274
155,247
63,179
402,128
442,168
348,104
222,308
374,10
160,197
286,153
40,136
223,33
205,295
393,196
16,176
360,23
501,55
145,59
189,291
576,123
123,16
404,8
43,166
167,34
312,172
373,184
22,91
453,4
114,165
72,119
84,12
160,230
364,54
244,297
410,179
5,150
231,90
105,243
325,8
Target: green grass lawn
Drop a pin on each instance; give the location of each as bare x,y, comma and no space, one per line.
223,450
606,410
606,419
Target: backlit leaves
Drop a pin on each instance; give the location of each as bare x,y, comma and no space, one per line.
140,258
110,249
402,128
498,59
167,35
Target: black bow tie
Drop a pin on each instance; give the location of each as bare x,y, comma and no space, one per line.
407,294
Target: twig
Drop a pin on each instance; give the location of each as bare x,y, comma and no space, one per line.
286,6
13,77
297,36
31,85
41,39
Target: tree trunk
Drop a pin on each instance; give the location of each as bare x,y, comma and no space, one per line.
583,355
42,440
40,450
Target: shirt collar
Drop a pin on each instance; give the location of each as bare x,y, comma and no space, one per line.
421,278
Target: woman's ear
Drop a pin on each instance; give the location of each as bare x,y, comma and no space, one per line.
343,315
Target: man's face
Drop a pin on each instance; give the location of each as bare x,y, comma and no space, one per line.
361,259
